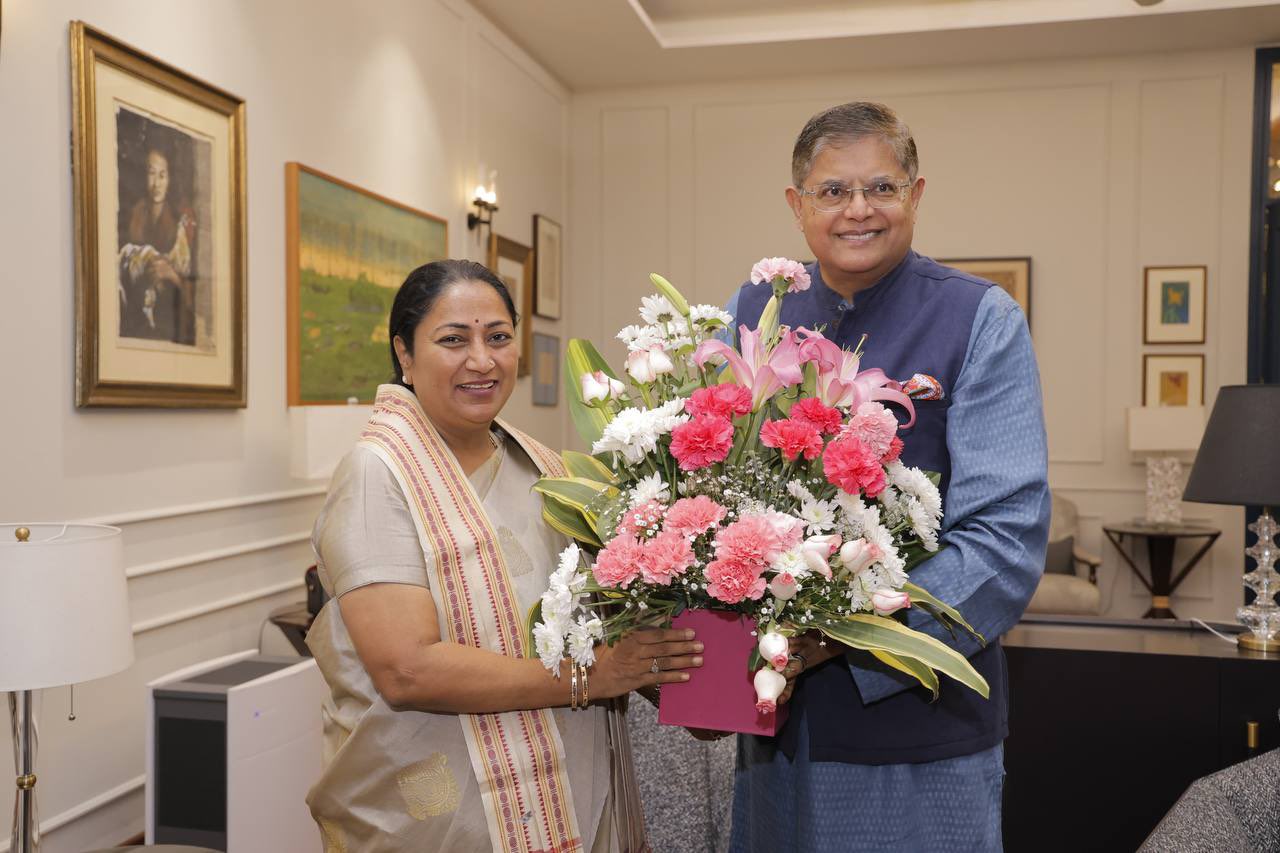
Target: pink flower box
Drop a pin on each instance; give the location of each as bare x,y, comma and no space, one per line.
719,695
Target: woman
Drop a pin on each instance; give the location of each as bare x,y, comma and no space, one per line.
440,733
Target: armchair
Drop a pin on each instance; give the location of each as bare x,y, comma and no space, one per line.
1062,589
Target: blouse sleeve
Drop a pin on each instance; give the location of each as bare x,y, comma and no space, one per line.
365,533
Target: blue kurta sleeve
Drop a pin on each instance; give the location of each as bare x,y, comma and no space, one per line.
996,521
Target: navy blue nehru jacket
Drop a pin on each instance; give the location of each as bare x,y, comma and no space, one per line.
968,335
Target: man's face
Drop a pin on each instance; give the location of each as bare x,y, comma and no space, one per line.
157,177
858,245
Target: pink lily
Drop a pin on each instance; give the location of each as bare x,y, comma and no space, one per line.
840,383
762,372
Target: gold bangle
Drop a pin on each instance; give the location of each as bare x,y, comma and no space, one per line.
573,686
586,697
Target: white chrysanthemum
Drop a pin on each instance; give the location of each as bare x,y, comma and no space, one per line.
855,514
797,490
583,636
790,561
922,523
914,482
818,516
650,488
669,415
703,313
656,309
548,641
859,598
639,338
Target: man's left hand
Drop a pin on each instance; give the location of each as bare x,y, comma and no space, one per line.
807,651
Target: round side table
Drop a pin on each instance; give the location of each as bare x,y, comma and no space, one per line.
1161,539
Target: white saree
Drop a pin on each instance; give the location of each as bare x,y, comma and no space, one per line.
400,510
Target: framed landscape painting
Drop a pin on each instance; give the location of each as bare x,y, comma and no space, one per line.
1173,305
1173,380
158,158
1012,275
348,251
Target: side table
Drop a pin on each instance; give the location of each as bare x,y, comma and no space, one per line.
1161,539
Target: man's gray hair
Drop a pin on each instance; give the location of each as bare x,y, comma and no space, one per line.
848,123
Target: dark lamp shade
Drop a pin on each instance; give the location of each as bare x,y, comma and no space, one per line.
1239,457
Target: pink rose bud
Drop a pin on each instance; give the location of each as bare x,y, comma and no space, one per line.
769,686
646,365
886,601
616,387
783,586
596,386
817,551
857,554
774,649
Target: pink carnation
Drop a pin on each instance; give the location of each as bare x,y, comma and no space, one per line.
874,426
851,465
640,521
665,556
754,540
619,563
723,401
794,438
822,416
731,581
793,272
693,516
701,442
894,452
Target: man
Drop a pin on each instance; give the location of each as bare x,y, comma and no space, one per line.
867,762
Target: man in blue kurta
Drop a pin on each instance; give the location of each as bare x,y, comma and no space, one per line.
866,761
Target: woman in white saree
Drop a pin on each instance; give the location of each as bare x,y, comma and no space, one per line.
441,732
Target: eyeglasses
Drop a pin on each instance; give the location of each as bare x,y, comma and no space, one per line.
833,195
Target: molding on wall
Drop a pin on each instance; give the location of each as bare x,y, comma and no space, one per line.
213,607
213,554
90,805
136,516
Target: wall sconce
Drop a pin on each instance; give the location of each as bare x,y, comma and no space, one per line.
485,200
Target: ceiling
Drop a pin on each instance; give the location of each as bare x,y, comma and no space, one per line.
604,44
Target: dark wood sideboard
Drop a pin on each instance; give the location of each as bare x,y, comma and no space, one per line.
1111,720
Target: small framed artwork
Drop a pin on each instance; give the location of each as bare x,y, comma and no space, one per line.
1173,305
547,265
1173,380
1012,275
158,160
347,251
546,369
513,263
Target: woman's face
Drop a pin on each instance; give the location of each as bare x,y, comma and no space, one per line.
157,177
463,366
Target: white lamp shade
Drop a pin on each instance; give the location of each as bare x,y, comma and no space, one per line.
64,605
1156,429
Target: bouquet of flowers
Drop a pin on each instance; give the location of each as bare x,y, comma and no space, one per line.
764,480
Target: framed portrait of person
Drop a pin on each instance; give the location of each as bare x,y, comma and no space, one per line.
347,250
158,160
548,263
513,263
1012,275
1173,305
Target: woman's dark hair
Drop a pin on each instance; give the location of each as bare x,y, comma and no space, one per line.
419,293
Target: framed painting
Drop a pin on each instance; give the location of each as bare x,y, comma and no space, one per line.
348,250
546,369
1012,275
158,161
1173,380
513,263
1173,305
548,255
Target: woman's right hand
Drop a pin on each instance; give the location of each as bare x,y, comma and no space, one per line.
628,664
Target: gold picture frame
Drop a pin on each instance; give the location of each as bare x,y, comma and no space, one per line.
158,161
1012,275
548,277
347,251
1174,301
513,263
1173,379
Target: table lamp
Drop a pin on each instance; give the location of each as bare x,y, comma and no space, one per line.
1239,463
1159,432
64,618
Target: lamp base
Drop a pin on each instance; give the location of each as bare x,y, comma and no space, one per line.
1257,644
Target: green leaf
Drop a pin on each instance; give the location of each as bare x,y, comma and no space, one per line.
668,290
911,667
588,467
533,618
570,522
577,492
754,660
865,631
581,357
919,595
